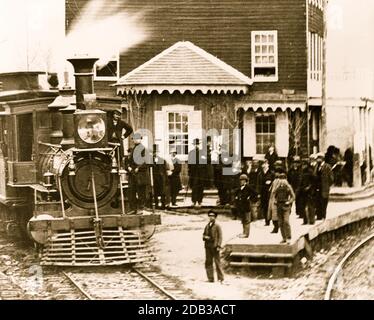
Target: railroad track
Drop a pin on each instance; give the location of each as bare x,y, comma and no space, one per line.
363,269
130,284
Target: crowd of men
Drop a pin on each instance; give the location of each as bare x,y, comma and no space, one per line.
253,190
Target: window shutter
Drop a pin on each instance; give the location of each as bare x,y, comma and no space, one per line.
161,138
249,134
194,127
281,133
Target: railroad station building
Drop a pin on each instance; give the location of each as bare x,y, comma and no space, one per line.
254,65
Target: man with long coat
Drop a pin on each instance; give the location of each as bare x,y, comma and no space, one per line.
212,238
197,164
241,207
324,181
265,179
175,184
161,170
138,168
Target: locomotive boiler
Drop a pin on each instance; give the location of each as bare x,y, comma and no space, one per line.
77,189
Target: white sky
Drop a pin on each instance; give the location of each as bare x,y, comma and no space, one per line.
29,32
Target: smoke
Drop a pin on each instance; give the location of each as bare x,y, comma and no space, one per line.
103,29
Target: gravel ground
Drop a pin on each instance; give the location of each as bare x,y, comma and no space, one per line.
179,247
181,254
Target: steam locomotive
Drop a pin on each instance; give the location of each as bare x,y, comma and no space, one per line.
61,180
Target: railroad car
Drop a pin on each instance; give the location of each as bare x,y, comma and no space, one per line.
61,180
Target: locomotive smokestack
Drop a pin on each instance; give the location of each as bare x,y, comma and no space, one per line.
83,72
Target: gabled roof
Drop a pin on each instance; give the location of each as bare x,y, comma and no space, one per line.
184,67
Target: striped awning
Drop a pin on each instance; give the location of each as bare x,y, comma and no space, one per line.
272,106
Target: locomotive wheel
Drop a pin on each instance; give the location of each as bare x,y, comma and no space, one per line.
78,188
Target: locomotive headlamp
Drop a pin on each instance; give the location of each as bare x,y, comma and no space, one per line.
90,129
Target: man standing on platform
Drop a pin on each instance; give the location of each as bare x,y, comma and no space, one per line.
324,181
138,170
212,238
175,183
294,178
284,196
265,179
197,165
241,206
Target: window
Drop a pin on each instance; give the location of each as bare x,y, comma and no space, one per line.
265,132
265,55
178,132
25,137
108,71
315,56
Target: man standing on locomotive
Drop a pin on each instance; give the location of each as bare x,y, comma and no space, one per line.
115,130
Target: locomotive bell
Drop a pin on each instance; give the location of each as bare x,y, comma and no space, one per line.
90,129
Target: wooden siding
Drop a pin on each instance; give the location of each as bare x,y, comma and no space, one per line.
221,27
315,20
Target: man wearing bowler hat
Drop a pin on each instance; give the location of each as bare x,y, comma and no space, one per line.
197,167
212,238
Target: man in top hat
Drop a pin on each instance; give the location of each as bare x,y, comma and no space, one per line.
324,179
175,184
162,169
294,178
222,181
307,193
241,206
138,169
265,179
197,164
212,238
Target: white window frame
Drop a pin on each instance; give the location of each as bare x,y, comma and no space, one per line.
109,78
266,114
254,65
174,109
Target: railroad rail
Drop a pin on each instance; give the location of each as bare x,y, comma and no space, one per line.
133,283
342,263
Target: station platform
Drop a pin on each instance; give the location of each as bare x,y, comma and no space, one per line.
263,248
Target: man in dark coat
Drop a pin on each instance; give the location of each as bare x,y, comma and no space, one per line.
271,156
197,164
324,181
116,126
212,238
241,206
138,168
306,194
222,181
294,177
175,184
161,169
265,179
